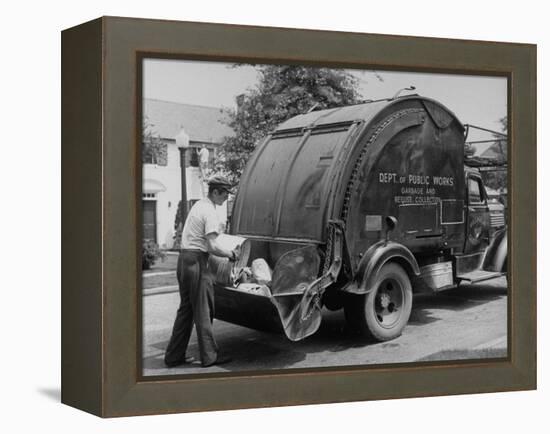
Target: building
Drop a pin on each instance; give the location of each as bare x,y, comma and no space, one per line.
162,173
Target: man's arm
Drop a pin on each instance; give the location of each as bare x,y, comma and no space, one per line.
215,248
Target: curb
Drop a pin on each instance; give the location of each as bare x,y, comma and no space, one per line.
160,290
159,273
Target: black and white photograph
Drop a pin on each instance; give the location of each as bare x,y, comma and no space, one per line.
268,217
302,217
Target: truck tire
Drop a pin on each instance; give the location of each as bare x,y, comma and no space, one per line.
384,311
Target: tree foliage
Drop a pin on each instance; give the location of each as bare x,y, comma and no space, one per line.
153,150
150,253
498,180
281,93
500,147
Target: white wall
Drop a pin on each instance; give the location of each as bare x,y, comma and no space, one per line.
167,199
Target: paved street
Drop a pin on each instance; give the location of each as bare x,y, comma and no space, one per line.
468,322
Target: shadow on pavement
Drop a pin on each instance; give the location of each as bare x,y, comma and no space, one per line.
265,351
257,353
422,316
456,299
334,335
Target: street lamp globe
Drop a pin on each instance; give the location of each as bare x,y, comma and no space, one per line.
182,140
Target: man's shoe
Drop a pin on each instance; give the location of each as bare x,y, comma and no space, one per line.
220,360
186,360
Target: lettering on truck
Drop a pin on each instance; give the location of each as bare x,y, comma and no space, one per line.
418,188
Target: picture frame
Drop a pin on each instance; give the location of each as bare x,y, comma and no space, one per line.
101,182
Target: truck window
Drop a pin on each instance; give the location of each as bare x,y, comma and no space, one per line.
474,190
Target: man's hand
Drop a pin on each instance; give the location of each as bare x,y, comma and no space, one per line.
215,248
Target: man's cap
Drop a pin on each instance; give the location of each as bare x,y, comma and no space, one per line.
220,182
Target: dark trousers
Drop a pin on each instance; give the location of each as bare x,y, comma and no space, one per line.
196,306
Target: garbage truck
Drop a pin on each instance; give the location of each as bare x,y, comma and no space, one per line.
357,208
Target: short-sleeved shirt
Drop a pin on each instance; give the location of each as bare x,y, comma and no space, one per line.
201,221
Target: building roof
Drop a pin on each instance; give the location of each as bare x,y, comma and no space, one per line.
202,124
491,152
481,148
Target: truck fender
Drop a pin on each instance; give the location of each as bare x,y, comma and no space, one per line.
496,255
373,260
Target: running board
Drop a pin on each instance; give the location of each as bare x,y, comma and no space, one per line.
477,276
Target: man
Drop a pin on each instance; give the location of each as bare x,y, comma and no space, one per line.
199,239
204,155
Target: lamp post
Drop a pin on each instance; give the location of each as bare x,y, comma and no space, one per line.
182,142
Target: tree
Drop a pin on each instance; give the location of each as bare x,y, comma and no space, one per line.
153,151
500,147
281,93
498,179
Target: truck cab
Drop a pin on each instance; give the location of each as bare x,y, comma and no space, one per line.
478,217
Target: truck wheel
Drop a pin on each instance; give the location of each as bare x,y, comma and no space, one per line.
382,313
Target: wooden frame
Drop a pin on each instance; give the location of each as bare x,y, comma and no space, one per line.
101,183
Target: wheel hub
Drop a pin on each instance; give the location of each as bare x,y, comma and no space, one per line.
385,301
388,303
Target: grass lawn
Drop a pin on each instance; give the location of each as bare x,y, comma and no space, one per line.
169,263
162,273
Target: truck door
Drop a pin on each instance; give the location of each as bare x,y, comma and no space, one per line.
477,215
